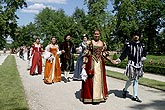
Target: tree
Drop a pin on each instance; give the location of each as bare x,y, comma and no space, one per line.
24,36
79,26
96,14
146,16
54,23
8,23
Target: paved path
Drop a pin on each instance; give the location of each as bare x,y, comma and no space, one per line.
3,57
65,96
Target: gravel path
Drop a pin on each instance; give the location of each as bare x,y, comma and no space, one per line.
3,57
65,96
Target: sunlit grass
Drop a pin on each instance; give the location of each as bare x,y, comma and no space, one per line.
12,96
143,81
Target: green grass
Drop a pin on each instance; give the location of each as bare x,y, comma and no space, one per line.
12,95
143,81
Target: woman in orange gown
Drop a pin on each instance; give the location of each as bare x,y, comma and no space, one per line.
36,65
52,67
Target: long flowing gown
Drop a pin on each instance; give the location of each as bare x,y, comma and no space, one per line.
52,67
36,65
94,89
79,63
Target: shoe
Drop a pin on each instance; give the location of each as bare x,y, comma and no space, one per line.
136,99
68,80
65,80
124,93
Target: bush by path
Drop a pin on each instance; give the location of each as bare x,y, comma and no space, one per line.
153,64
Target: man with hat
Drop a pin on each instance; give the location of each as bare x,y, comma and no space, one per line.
136,53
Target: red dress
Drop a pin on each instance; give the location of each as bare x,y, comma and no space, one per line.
36,60
94,89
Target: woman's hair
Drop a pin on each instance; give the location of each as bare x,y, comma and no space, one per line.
97,30
52,38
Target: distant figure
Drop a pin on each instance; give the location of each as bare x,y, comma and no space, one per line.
25,53
4,50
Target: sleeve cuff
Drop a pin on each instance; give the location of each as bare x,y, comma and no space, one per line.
118,60
143,58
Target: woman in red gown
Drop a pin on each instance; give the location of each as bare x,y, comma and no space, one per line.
94,88
36,65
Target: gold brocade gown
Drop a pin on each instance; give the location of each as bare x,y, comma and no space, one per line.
52,69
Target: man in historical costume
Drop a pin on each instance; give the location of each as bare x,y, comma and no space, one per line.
94,88
136,53
67,61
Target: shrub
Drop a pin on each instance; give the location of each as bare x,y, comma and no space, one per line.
115,56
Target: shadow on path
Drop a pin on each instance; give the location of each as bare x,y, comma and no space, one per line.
156,104
118,93
77,94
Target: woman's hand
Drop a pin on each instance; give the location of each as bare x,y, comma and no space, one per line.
62,51
84,65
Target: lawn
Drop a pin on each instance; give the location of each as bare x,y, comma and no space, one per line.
143,81
12,95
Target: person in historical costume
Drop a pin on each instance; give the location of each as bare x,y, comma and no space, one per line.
36,65
67,62
136,53
25,53
79,63
52,71
94,88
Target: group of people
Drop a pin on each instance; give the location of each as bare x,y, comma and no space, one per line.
91,59
23,52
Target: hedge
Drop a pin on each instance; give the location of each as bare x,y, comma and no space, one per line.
147,68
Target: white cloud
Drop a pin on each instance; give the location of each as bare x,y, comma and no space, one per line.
30,11
48,1
36,8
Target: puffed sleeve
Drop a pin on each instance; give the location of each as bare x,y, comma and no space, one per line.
105,53
58,51
47,53
87,51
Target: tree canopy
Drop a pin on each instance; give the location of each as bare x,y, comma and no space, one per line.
147,17
8,23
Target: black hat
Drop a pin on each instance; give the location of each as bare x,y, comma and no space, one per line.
135,33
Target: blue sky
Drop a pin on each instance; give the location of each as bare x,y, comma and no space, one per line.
27,15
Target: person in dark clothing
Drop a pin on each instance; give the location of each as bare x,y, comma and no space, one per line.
67,62
135,50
